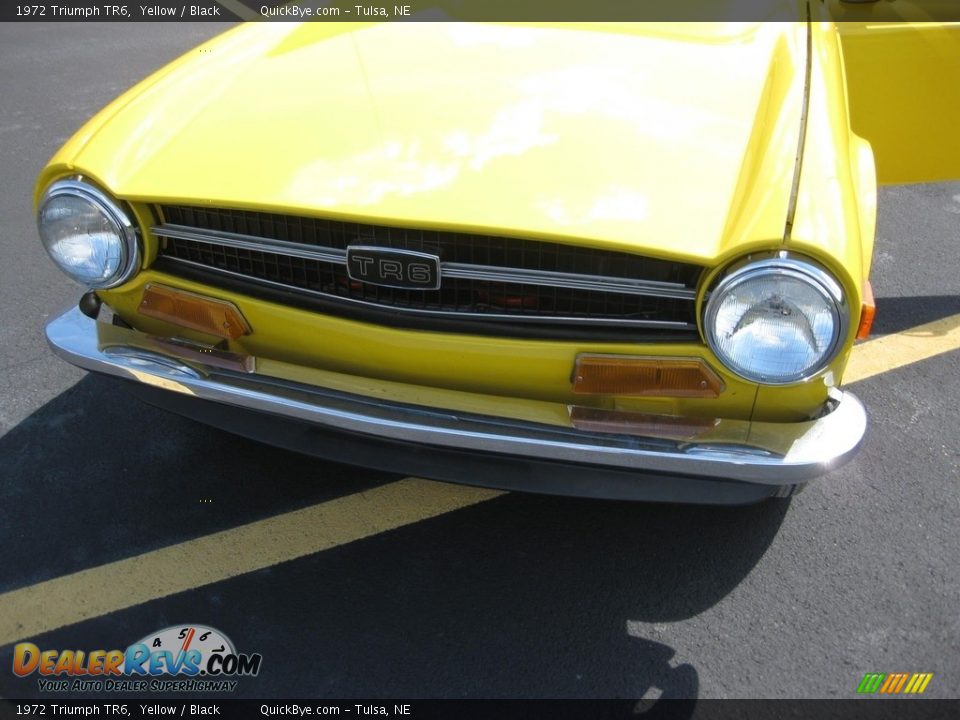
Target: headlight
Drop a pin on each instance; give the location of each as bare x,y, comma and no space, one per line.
776,321
87,234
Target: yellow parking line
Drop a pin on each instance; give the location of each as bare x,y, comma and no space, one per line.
98,591
894,351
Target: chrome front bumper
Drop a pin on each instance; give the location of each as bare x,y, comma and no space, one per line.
775,455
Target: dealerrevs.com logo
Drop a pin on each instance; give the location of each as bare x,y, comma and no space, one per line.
181,658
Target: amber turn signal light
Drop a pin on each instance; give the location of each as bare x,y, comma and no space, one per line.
867,312
189,310
651,377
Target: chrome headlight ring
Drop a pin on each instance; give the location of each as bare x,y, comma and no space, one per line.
87,234
776,321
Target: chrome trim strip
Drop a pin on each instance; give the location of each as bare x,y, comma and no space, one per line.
252,242
491,273
549,319
574,281
809,448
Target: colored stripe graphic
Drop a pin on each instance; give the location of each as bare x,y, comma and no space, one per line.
871,682
913,684
894,683
919,683
900,683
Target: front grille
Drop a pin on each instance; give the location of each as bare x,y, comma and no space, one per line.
497,283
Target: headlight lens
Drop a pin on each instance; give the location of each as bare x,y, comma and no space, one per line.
776,321
87,234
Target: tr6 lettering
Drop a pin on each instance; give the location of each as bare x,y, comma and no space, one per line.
393,268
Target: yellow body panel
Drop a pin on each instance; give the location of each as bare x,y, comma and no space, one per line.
647,139
835,213
903,77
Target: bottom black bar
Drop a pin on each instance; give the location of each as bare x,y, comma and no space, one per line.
874,708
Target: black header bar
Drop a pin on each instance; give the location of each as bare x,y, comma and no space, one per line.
468,10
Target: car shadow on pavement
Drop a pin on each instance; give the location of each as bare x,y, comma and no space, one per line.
896,314
106,477
519,596
522,596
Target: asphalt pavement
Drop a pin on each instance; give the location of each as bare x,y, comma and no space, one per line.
512,596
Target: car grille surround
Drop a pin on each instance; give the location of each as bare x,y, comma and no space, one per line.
491,283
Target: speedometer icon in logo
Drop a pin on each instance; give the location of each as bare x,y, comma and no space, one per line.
182,650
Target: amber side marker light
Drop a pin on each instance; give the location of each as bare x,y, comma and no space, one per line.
867,312
189,310
652,377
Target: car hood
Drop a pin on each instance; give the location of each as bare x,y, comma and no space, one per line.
673,143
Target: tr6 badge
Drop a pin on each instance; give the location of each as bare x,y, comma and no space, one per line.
393,268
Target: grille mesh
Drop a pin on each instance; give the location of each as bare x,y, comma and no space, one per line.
479,298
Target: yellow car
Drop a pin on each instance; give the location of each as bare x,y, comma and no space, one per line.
621,261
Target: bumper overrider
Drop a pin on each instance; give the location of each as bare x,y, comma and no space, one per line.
736,462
